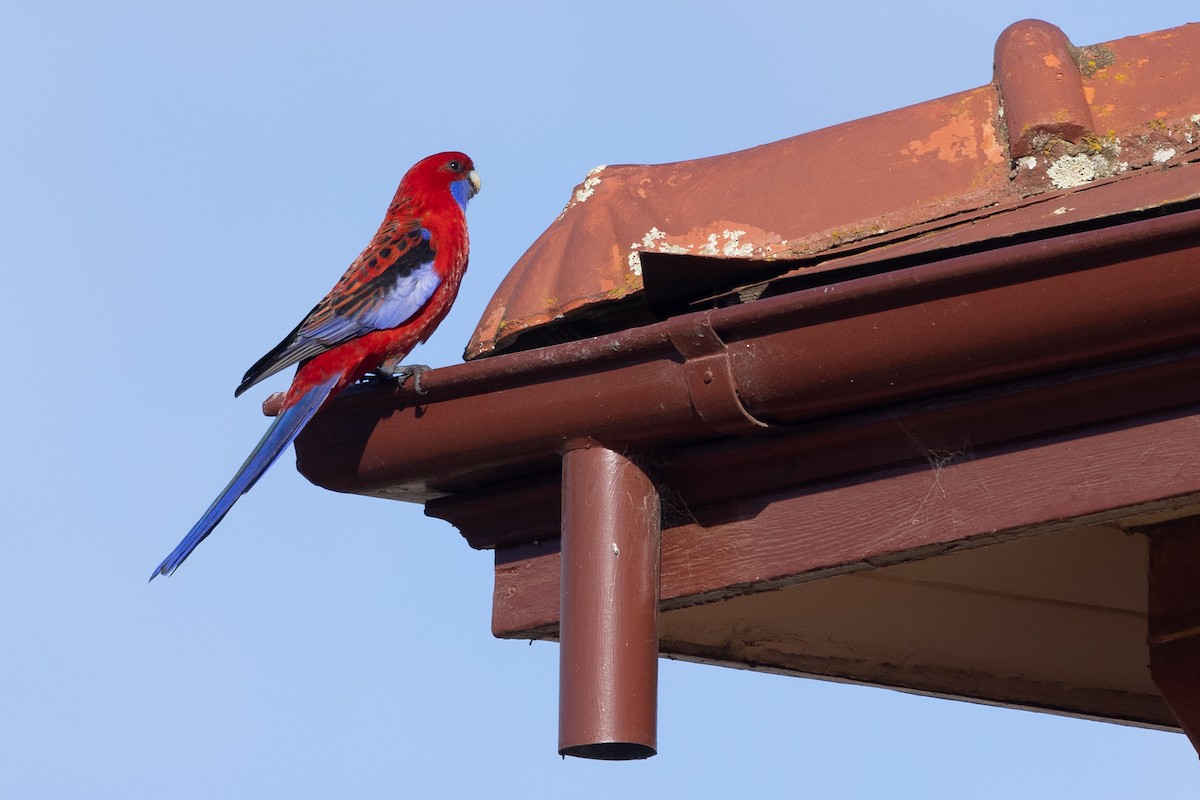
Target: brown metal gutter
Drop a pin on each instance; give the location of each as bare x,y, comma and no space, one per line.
960,322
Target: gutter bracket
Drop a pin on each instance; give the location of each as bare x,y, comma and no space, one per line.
711,384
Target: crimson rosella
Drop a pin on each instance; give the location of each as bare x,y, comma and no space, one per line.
389,300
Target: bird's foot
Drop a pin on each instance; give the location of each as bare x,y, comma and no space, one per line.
400,373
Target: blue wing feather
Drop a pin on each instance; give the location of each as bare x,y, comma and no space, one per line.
385,286
283,431
390,301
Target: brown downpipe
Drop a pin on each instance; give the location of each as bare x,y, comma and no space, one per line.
608,623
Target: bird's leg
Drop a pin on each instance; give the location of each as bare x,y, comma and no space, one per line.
392,369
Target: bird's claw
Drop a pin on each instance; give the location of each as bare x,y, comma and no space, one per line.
400,373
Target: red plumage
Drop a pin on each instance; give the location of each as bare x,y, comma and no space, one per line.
390,299
423,201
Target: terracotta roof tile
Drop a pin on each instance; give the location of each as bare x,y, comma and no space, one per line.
1076,116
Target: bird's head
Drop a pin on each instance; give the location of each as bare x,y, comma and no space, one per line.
452,170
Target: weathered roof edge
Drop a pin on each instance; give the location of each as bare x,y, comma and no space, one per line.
1075,115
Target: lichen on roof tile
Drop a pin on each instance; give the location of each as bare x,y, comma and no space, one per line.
1131,103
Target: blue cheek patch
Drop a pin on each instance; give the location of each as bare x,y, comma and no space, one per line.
461,189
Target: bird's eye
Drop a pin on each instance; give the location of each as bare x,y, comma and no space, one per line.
455,166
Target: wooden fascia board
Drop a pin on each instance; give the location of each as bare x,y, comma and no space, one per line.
969,498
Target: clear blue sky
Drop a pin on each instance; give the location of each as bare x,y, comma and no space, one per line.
179,183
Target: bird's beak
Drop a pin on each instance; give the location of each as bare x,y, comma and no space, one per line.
476,184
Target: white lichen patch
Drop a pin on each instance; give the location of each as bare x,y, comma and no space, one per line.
652,241
1163,155
585,190
1028,162
1071,171
588,188
1187,135
635,263
733,247
729,243
652,236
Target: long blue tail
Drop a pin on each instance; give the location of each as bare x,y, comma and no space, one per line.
283,431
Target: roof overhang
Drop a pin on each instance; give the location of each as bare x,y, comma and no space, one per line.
1042,386
947,456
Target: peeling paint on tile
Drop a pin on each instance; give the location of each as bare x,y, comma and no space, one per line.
957,139
993,149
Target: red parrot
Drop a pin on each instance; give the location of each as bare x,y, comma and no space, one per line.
388,301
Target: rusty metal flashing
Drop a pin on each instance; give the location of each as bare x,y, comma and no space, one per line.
1102,204
1055,118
